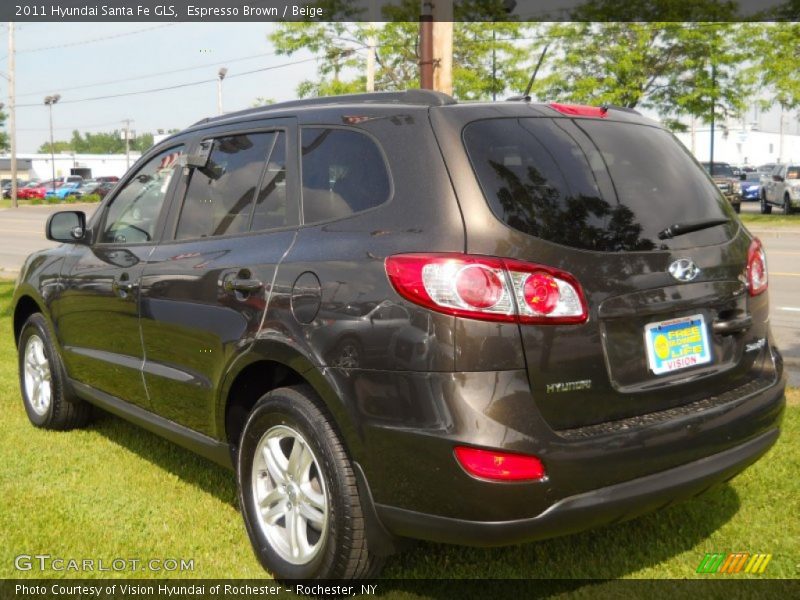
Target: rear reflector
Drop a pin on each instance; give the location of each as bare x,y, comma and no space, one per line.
499,466
757,276
488,288
580,110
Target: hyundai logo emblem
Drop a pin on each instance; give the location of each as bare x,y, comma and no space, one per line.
684,269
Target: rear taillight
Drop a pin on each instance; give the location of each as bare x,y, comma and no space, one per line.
757,277
499,466
487,288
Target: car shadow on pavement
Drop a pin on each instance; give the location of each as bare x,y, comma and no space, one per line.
188,466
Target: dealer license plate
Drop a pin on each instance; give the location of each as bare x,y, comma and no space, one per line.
677,344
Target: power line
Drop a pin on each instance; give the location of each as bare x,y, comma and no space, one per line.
150,75
175,87
94,40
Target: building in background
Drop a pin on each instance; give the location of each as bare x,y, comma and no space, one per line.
39,166
742,146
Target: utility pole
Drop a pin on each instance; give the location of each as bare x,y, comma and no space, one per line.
443,46
371,61
426,45
12,114
780,136
713,114
49,101
220,76
127,142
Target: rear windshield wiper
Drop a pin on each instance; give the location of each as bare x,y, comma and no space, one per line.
681,228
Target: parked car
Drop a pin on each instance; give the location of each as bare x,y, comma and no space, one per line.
6,187
593,338
34,189
107,179
782,189
751,186
94,187
63,191
727,181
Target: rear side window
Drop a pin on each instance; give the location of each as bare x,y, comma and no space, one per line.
343,173
592,184
221,197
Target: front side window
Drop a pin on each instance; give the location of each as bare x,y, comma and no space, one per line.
132,215
343,173
220,196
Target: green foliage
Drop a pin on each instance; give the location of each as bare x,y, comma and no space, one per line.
99,143
4,141
665,66
90,198
778,59
342,47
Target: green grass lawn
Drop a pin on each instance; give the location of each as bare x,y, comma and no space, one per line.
776,219
113,490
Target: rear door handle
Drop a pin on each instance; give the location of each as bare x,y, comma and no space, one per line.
731,326
246,286
123,286
241,282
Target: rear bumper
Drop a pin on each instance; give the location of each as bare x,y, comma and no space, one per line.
582,511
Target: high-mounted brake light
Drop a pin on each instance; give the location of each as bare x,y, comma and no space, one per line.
580,110
757,276
488,288
499,466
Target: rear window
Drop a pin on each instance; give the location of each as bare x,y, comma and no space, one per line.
593,184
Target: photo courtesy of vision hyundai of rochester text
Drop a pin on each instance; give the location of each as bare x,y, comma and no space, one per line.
398,316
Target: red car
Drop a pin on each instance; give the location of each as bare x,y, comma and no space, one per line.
31,191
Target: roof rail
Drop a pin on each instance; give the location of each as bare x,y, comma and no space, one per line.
421,97
622,108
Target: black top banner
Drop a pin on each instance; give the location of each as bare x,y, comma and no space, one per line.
399,10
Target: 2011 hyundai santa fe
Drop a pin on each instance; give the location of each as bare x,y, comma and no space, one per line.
396,316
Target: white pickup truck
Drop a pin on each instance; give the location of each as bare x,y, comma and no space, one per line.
781,188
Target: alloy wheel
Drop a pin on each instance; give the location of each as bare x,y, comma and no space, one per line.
289,493
38,385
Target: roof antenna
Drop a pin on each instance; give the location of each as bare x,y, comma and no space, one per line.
526,96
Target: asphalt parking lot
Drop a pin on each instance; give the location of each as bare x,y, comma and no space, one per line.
22,232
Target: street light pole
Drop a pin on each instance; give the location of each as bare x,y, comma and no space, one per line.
49,101
220,75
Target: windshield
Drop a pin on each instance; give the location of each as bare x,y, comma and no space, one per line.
593,184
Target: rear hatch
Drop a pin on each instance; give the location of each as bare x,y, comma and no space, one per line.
595,197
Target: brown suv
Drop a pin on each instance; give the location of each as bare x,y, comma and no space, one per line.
727,182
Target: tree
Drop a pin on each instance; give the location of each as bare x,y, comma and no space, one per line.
4,141
99,143
342,48
678,69
778,58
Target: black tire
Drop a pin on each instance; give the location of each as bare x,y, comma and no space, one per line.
766,209
341,545
64,410
787,205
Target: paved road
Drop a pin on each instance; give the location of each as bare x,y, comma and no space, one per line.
22,232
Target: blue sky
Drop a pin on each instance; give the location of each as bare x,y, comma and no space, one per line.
161,47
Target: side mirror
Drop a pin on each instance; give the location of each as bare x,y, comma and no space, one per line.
67,227
777,178
743,176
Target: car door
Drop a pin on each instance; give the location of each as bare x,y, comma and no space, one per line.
205,288
97,314
774,189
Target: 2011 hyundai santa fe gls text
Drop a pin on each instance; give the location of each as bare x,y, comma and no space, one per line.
396,316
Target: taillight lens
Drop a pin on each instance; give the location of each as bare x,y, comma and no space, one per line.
499,466
757,277
487,288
